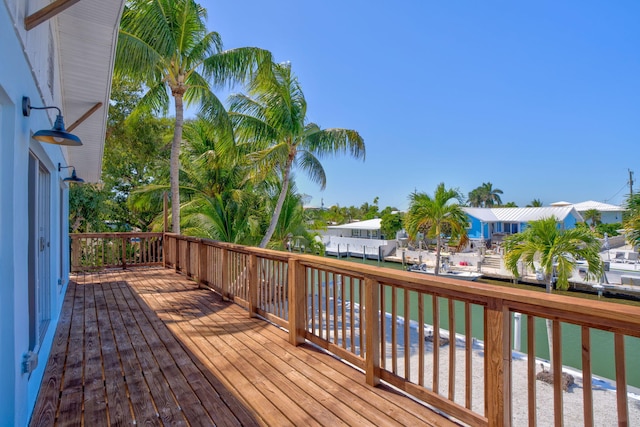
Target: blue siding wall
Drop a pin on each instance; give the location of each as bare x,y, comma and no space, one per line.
475,232
570,222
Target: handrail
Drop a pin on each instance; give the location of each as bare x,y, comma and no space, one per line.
361,313
92,251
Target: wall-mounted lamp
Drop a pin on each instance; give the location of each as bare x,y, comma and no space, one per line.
73,177
58,135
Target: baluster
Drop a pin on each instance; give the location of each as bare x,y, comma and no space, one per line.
372,322
254,284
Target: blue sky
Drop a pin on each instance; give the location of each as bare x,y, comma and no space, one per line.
540,98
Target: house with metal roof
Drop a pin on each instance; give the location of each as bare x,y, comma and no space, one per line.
492,224
368,229
359,239
610,214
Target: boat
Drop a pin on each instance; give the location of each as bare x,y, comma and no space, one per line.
445,272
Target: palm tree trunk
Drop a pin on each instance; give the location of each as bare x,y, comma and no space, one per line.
550,328
278,209
175,164
436,270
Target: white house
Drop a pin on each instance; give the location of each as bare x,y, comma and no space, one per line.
610,214
358,238
58,54
368,229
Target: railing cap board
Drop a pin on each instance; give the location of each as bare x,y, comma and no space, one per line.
248,250
112,235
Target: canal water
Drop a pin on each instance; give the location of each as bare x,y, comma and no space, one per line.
602,342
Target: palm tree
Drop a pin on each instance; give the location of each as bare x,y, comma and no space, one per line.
535,203
475,198
632,219
556,250
485,196
227,202
275,117
164,44
593,215
632,227
491,196
434,215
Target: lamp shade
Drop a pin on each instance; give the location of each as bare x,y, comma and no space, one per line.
57,135
73,177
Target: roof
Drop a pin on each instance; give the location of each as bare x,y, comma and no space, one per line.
88,33
599,206
521,214
370,224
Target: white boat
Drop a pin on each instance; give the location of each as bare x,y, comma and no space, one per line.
454,274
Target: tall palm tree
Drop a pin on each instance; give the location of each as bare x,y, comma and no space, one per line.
535,203
490,195
164,44
485,196
436,214
556,250
274,116
475,198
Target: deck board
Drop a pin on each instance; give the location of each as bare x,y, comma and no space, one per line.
148,346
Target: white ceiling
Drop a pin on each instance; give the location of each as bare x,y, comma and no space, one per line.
88,33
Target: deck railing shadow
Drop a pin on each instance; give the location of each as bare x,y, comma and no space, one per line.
365,314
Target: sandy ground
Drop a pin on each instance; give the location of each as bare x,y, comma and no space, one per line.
604,394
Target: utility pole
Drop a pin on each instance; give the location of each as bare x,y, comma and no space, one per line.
630,184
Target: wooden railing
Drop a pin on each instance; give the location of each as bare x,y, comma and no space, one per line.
358,312
94,251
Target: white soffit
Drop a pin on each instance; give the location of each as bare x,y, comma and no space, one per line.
88,33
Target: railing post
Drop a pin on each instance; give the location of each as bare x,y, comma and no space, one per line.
225,274
297,302
202,262
253,284
124,252
497,364
372,324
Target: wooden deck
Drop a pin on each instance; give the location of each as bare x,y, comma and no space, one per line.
145,346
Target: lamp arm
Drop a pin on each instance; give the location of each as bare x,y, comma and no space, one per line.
46,108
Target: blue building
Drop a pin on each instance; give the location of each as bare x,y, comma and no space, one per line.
493,224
